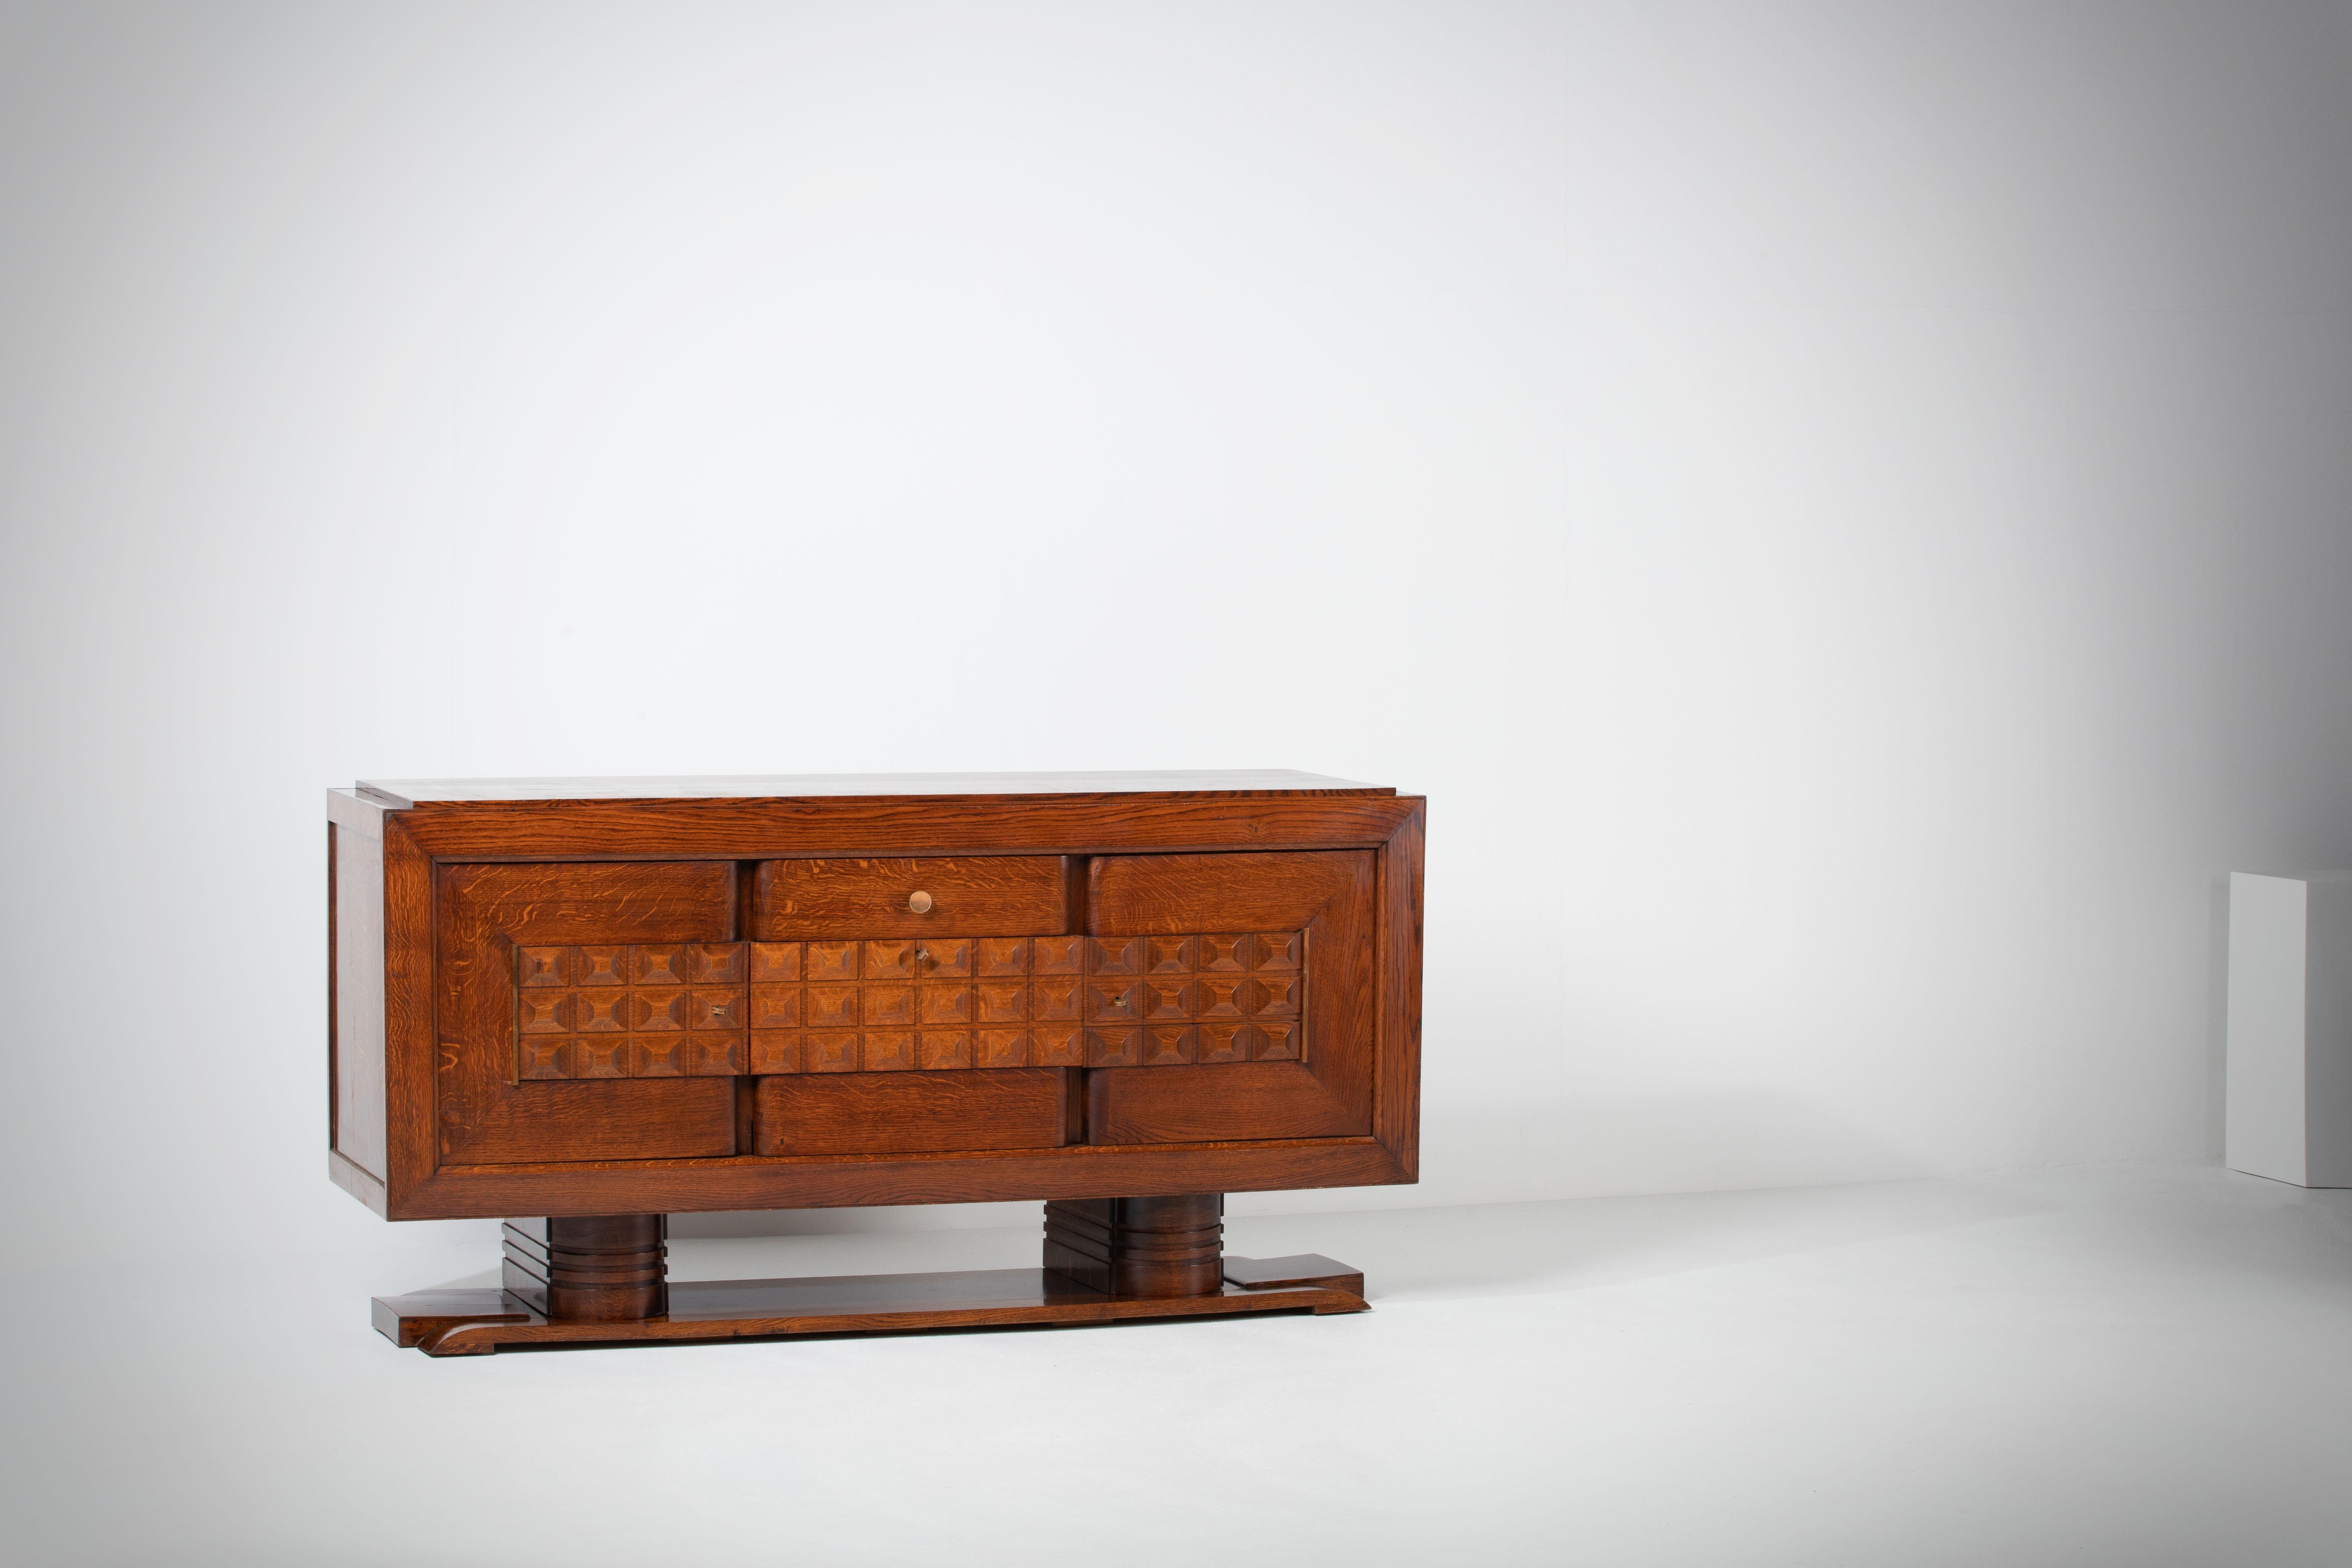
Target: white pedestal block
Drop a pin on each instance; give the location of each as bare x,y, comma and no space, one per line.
2289,1058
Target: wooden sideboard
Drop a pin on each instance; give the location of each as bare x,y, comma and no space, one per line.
595,1003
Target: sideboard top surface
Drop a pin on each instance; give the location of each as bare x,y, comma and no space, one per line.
400,794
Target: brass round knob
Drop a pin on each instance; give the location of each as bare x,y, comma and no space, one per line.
919,902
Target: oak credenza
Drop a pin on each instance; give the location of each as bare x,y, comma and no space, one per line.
595,1003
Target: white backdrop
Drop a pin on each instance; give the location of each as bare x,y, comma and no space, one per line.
1844,509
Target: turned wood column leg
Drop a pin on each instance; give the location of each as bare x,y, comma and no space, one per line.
1139,1247
598,1268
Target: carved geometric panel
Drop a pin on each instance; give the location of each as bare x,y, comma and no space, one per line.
937,1004
658,1010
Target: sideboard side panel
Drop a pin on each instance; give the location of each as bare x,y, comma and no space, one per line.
355,984
1397,1116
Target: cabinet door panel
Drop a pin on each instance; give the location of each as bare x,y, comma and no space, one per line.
485,911
913,1113
985,895
1328,896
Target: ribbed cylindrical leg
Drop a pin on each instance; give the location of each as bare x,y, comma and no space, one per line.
597,1268
1139,1247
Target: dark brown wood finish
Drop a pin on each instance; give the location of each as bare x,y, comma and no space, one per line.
598,1268
483,1321
485,906
1170,1246
904,1113
1332,897
983,895
484,911
942,827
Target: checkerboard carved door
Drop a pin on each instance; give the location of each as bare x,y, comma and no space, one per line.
1240,993
650,982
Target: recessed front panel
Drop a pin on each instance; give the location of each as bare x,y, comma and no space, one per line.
639,998
986,895
1318,979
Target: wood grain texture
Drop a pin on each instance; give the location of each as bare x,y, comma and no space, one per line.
896,1113
992,1002
403,793
1331,899
601,1268
980,895
1075,1171
596,1162
480,1322
487,911
412,1143
1170,1246
948,826
370,1190
1305,1270
1397,1114
1241,1101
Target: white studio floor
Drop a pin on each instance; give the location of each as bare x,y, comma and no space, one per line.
2140,1366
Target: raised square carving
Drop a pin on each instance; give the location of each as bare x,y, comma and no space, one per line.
546,1059
1114,955
600,1012
1057,1046
662,964
657,1056
1001,1004
1054,999
1114,1001
661,1008
999,1047
1164,1046
889,1050
716,963
775,1007
775,1051
1221,954
852,1006
830,960
946,1048
776,963
600,1056
537,966
889,961
1113,1047
602,966
1274,1042
830,1051
715,1055
943,957
994,956
1217,998
1278,949
832,1006
1165,999
886,1005
715,1010
944,1003
1223,1043
1270,995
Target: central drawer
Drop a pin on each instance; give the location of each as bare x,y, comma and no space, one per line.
982,895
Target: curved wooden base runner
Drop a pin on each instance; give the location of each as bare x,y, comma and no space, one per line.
479,1322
